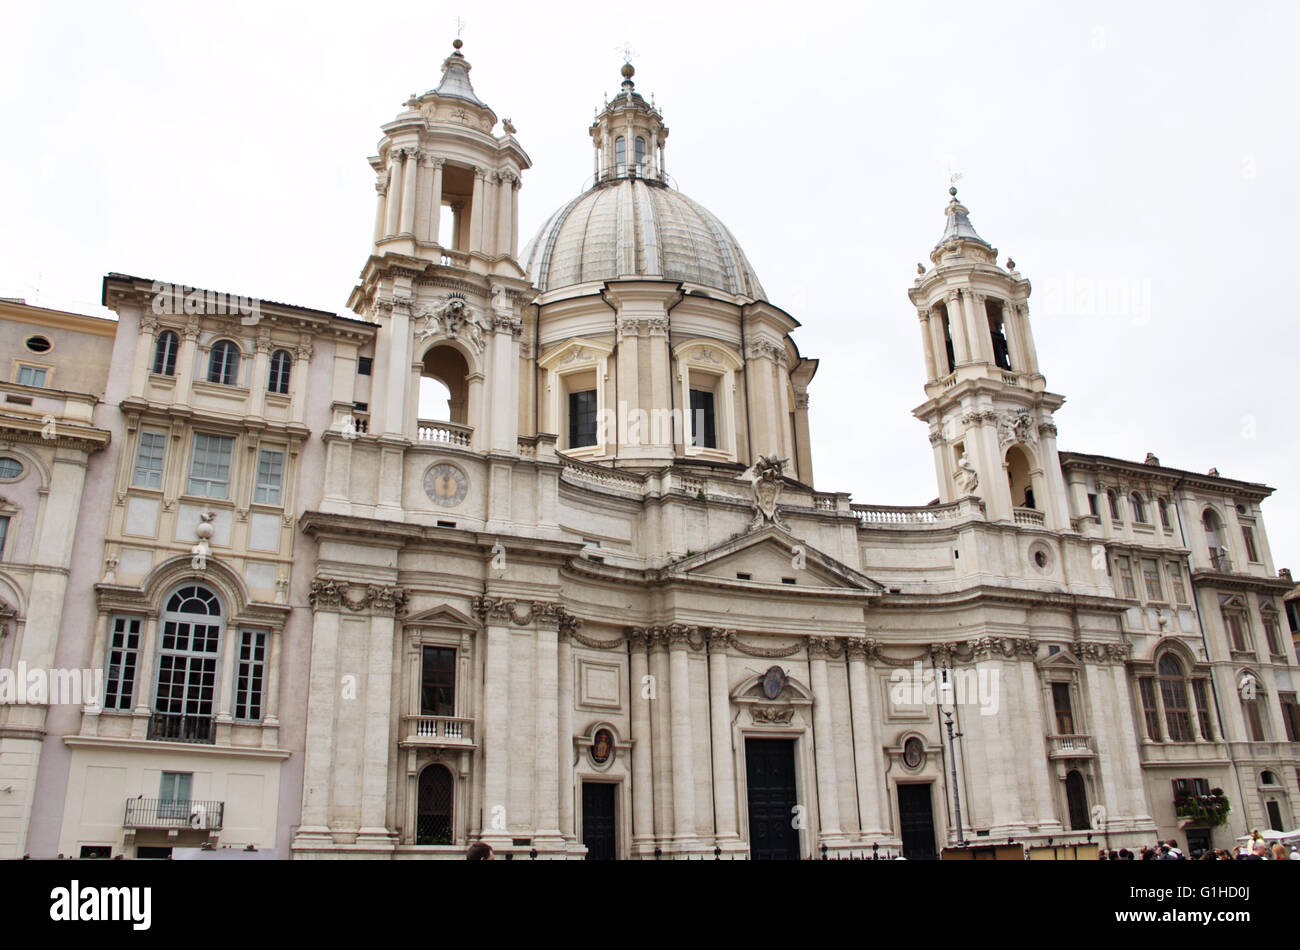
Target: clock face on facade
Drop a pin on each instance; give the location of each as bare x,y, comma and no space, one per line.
446,485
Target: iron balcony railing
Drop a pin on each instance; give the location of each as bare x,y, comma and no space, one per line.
179,727
169,813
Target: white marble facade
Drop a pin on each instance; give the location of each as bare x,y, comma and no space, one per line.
596,606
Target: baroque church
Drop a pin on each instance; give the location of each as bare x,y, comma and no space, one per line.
594,605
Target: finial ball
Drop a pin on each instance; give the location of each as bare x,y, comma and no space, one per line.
457,43
953,191
628,70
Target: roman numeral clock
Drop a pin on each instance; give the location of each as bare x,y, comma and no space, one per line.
446,485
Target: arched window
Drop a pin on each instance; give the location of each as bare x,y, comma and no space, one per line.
188,658
620,153
1173,692
279,381
1139,509
223,363
164,353
433,806
1076,797
1164,512
1214,541
640,152
1114,507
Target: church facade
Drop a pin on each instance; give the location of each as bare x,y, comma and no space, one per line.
596,608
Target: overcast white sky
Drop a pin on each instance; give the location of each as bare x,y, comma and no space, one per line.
1148,147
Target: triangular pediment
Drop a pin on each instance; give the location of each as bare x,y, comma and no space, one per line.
441,616
769,556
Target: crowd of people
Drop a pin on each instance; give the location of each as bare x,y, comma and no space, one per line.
1256,849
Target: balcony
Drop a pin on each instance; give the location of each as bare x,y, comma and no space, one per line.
1030,517
438,732
154,813
444,433
1070,747
928,516
178,727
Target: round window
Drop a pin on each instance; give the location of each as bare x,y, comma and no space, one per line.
10,468
38,344
1040,559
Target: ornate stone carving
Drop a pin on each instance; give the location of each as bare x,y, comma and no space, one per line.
328,593
767,653
720,639
823,647
771,715
521,613
452,317
862,648
966,477
1015,427
766,481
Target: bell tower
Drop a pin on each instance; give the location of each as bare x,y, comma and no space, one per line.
987,405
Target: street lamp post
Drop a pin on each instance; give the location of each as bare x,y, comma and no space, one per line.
949,707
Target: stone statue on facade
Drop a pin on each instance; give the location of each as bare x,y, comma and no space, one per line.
966,477
765,477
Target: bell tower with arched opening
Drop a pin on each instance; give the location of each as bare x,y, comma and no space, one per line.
987,404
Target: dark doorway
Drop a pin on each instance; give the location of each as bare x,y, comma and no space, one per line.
1274,816
769,771
598,820
1077,800
916,819
433,807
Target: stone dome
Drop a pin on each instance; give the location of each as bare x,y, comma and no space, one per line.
631,227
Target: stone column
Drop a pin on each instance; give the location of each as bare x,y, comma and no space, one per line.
684,832
957,327
978,322
381,202
1131,761
496,727
505,187
435,203
1027,335
146,679
1040,778
564,737
828,805
724,780
144,351
661,742
261,376
374,755
323,691
546,771
628,386
271,709
298,379
229,657
504,404
182,394
392,225
410,169
868,755
514,216
930,357
476,211
1001,753
643,813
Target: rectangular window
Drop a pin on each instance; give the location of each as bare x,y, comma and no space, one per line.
1125,571
123,660
1254,719
704,432
250,680
1191,786
149,459
210,467
4,534
1092,505
1164,513
1201,690
31,376
270,476
1236,624
1248,535
1270,634
1151,576
438,682
174,794
364,365
582,418
1290,716
1114,506
1150,712
1064,709
1176,583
